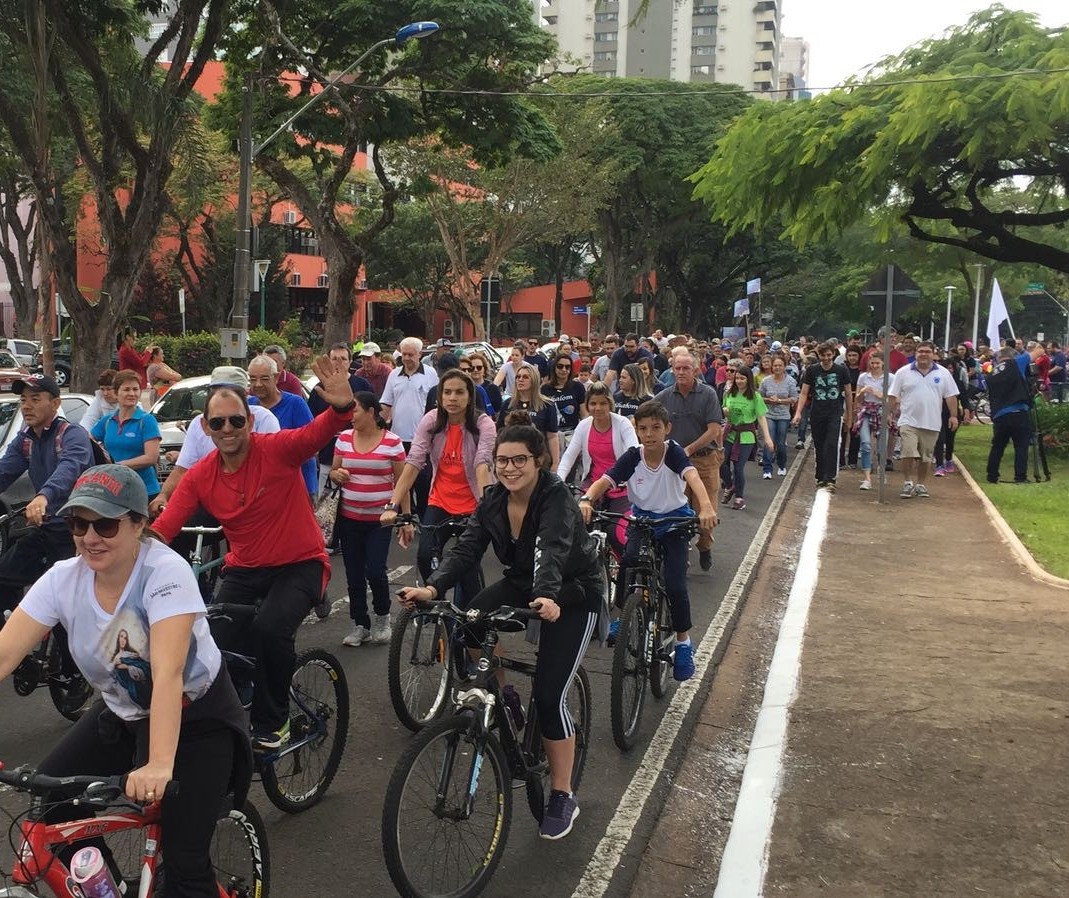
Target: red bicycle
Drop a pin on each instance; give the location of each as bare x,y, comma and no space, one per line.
131,834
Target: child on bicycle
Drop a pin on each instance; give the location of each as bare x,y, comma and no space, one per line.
657,473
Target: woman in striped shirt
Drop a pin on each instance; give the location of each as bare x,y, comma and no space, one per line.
368,461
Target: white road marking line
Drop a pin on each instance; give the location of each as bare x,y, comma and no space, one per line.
606,857
745,862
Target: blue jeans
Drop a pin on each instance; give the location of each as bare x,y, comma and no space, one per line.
733,473
803,423
365,546
675,546
777,429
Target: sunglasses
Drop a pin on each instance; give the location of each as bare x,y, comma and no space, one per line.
564,367
104,527
478,367
236,421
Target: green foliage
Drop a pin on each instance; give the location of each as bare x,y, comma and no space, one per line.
260,338
1053,421
939,138
386,336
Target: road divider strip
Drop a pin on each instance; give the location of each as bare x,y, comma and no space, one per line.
745,861
606,858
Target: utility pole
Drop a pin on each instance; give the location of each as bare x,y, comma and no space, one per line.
36,25
239,312
950,288
976,307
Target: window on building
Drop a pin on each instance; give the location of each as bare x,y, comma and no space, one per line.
606,17
155,30
704,51
605,56
701,70
705,10
703,30
549,21
605,37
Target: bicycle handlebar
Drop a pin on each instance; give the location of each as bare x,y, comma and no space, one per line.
105,790
206,531
644,520
505,613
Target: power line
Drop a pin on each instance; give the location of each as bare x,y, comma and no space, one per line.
690,92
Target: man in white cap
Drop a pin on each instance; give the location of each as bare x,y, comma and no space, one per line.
372,369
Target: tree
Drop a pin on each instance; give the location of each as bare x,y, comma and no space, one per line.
459,83
127,118
937,139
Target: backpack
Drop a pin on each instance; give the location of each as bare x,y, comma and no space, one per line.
100,454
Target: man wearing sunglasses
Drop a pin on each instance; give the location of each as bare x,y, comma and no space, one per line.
251,485
54,454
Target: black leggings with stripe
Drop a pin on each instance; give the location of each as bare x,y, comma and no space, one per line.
561,647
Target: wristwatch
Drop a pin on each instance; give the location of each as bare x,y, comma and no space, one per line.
586,499
391,506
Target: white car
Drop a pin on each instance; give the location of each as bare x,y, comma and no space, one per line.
22,350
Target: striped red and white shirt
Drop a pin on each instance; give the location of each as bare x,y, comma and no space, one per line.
370,484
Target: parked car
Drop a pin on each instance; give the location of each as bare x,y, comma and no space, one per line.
10,371
22,350
466,348
61,352
16,496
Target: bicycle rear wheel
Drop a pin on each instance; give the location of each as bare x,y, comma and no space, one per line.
579,706
72,694
629,670
296,776
436,841
419,668
663,642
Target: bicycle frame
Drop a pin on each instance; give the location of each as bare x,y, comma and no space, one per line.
196,562
37,860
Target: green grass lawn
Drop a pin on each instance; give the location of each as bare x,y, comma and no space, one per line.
1036,511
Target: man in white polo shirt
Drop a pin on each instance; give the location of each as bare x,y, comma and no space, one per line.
404,402
916,396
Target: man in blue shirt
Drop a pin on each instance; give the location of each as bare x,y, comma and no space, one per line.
292,411
55,453
1057,371
534,357
1010,396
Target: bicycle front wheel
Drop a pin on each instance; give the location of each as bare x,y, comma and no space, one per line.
296,776
447,812
629,671
419,668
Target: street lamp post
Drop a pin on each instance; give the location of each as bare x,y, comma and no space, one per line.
239,316
976,308
950,288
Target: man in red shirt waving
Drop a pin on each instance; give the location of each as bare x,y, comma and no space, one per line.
251,484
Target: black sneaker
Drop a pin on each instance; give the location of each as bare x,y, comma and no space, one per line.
560,815
705,559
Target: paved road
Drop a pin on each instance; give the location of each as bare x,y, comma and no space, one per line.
335,849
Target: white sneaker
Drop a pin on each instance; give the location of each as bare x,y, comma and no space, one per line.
782,472
359,636
907,490
767,475
380,629
866,484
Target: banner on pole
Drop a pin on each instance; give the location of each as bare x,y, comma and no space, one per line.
996,314
742,307
753,286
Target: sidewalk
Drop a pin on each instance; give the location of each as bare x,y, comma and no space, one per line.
928,745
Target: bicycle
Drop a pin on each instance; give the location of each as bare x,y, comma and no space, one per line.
439,793
645,643
207,563
239,847
424,661
298,773
71,693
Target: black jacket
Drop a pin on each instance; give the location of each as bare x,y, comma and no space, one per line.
554,545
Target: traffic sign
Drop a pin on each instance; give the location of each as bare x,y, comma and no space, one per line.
1035,287
636,311
579,310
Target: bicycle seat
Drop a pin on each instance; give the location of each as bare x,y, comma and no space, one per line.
231,610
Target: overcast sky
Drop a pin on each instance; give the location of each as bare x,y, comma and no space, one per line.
844,37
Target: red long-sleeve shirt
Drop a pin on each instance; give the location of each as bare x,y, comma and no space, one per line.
132,360
263,506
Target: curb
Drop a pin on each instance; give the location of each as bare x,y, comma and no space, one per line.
1024,557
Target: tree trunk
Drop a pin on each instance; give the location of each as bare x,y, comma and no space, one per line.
344,269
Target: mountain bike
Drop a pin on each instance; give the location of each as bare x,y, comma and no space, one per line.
129,835
645,644
298,773
50,664
425,660
449,801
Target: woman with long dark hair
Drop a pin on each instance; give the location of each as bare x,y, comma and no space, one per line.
457,441
551,564
745,411
368,463
567,394
527,397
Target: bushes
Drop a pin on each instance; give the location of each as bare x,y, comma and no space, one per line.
1054,424
195,354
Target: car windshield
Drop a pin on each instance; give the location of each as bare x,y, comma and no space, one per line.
181,404
8,411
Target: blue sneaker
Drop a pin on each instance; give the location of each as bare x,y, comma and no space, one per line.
559,816
683,665
614,631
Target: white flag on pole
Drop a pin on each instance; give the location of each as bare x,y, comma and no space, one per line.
996,315
753,286
742,307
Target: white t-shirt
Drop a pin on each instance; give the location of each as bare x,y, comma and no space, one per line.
868,380
921,395
112,650
660,490
406,394
198,444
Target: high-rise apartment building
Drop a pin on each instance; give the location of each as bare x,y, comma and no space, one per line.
730,41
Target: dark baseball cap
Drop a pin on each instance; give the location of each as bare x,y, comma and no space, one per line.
36,383
110,490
